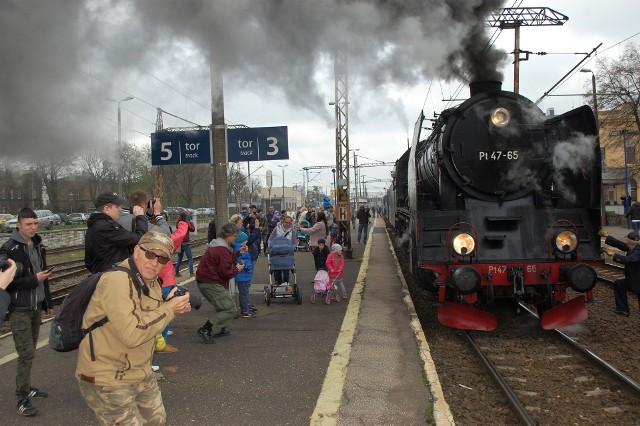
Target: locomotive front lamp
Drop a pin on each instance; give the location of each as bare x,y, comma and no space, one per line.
500,117
566,242
464,244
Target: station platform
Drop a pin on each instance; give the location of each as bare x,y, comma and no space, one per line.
364,360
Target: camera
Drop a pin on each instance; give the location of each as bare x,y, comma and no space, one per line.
194,300
4,265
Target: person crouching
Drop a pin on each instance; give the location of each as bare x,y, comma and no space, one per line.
216,268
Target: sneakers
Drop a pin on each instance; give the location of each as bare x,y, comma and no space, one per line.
178,274
345,295
253,308
37,393
25,408
621,312
169,333
223,332
193,274
205,332
248,314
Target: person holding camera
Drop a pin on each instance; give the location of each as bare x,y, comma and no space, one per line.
29,291
631,262
7,272
118,385
152,209
106,241
216,268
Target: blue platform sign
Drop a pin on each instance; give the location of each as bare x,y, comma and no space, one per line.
188,147
257,144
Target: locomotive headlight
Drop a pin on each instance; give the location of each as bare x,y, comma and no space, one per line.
566,241
464,244
500,117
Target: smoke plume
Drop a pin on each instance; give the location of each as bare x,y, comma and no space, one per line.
62,59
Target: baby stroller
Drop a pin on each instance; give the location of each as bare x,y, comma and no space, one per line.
324,288
303,239
281,258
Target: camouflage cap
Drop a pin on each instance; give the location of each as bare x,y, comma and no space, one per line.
157,241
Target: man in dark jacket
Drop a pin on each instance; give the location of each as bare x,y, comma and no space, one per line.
6,276
633,214
631,262
211,233
29,293
106,241
363,217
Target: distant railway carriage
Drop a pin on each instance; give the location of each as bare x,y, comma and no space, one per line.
501,201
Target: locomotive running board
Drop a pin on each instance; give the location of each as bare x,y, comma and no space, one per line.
463,317
569,313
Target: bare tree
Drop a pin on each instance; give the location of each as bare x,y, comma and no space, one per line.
618,86
51,172
99,172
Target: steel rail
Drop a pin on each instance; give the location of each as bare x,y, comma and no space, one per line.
501,382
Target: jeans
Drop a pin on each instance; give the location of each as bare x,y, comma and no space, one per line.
635,226
165,293
363,228
265,243
243,291
185,248
25,327
281,276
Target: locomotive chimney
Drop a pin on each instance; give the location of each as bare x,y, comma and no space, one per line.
484,86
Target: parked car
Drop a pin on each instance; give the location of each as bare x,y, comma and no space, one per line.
56,219
4,218
64,218
78,218
46,218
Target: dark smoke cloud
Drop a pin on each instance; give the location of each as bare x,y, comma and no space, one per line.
61,59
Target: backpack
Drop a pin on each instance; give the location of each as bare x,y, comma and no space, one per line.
66,328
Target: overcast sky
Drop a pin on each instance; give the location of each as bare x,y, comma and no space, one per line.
62,59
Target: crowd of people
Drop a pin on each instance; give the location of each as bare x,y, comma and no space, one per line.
136,296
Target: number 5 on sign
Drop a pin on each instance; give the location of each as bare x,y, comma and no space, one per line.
165,149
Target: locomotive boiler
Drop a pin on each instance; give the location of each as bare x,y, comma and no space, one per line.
500,201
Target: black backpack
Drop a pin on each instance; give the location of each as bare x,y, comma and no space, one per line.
66,328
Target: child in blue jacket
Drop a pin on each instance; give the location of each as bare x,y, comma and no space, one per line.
244,277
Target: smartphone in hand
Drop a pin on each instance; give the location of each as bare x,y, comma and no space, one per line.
50,269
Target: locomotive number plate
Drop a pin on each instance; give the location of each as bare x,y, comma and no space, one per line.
497,155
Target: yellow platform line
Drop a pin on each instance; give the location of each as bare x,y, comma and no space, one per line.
441,413
328,403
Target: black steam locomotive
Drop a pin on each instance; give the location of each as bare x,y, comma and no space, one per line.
500,201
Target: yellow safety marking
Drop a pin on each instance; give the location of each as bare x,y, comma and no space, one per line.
14,355
328,404
441,412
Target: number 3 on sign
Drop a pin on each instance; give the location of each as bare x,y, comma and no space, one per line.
165,149
273,145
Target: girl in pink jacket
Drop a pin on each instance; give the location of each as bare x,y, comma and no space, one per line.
335,267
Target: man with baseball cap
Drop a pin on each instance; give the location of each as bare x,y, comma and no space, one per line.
631,262
118,384
106,241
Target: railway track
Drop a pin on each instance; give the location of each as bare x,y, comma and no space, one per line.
66,275
575,376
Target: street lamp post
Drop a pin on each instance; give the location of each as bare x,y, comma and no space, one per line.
283,201
627,196
595,114
595,99
118,164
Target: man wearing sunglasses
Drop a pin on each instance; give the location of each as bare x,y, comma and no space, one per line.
118,385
